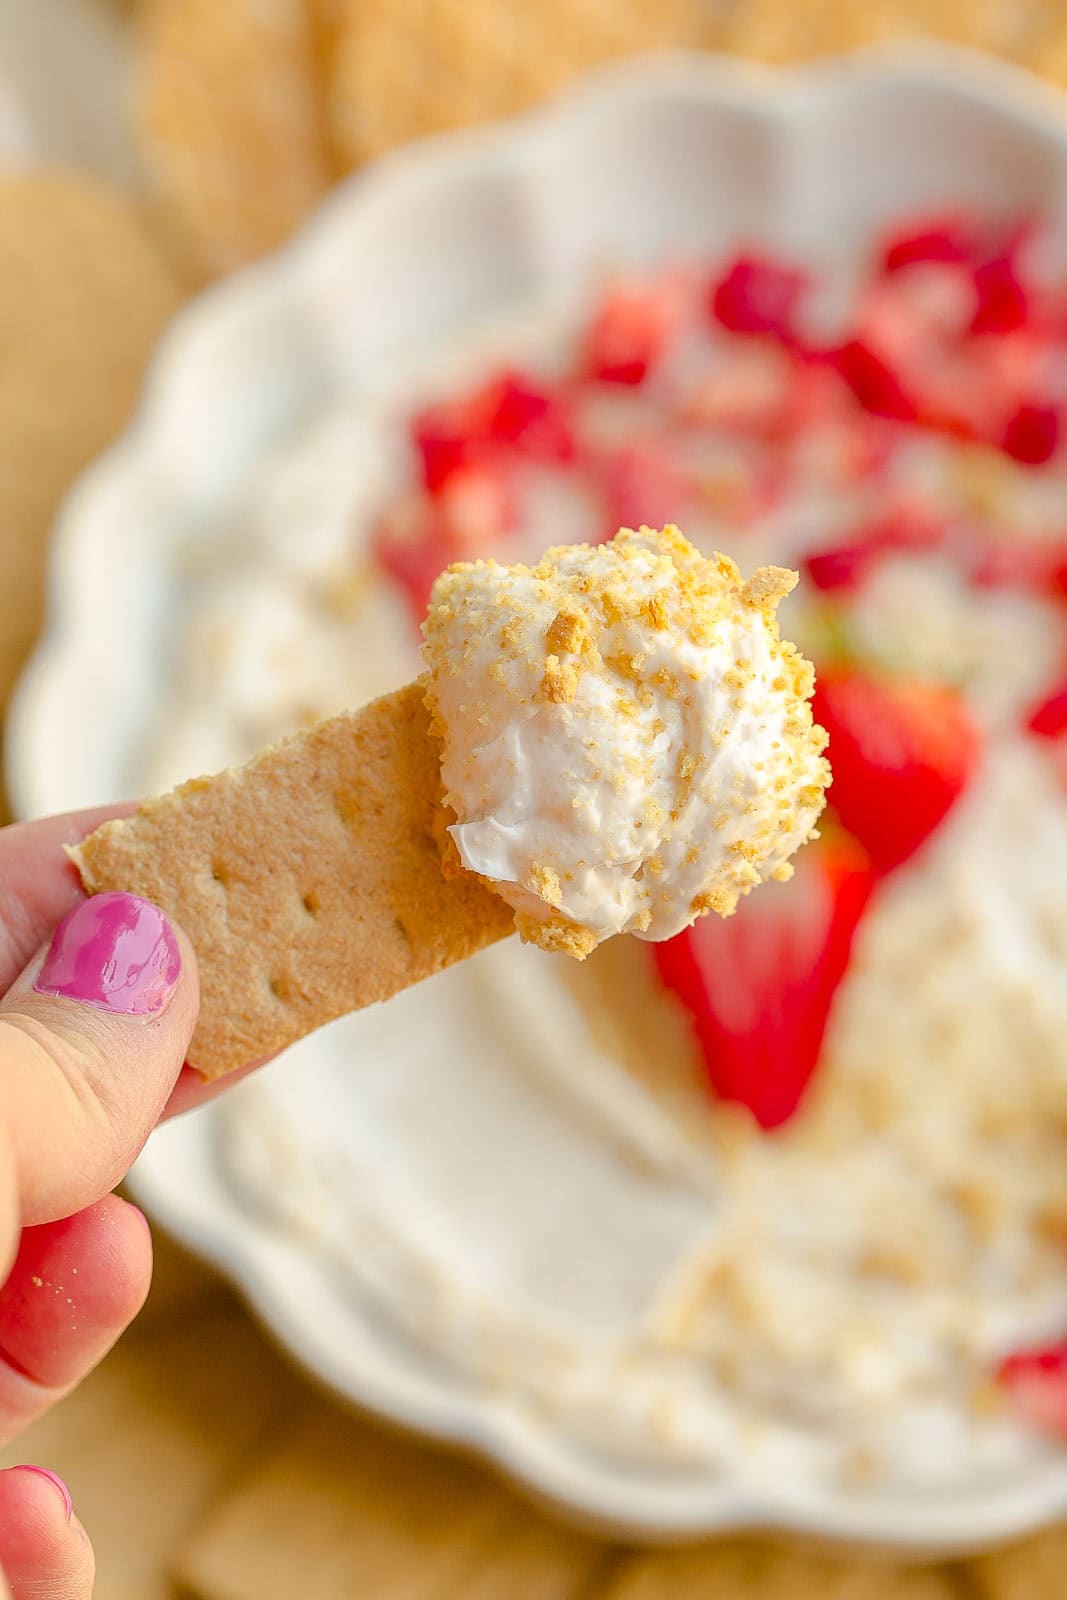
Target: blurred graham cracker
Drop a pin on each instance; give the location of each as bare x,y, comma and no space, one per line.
249,108
84,293
396,71
309,881
1036,1570
229,120
764,1569
356,1511
158,1434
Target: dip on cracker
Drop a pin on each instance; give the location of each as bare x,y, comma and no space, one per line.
627,742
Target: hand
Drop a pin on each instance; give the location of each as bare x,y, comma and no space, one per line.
97,1005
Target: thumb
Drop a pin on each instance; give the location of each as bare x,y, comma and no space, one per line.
93,1035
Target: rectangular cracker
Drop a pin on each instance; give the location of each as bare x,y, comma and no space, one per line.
310,881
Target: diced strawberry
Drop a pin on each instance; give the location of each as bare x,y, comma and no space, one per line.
447,436
758,296
529,416
512,412
1056,576
759,985
631,330
902,753
1049,719
874,384
1036,1383
1032,434
641,484
842,566
1003,303
939,239
845,565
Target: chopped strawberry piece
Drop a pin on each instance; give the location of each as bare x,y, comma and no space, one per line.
529,416
757,296
510,412
874,384
844,566
642,485
1032,434
447,436
1003,304
944,240
1049,719
1056,576
759,985
1036,1382
902,753
631,331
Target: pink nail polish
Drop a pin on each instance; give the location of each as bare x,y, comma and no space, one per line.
114,951
43,1472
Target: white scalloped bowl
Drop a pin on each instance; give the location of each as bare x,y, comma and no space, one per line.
678,155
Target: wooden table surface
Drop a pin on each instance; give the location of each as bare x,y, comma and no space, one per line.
200,1460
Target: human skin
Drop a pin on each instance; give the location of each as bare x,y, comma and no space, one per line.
97,1006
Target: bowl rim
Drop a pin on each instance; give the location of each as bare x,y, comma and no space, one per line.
608,1500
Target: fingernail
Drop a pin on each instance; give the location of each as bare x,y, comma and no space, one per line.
114,951
43,1472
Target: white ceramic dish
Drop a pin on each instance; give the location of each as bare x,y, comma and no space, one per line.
681,155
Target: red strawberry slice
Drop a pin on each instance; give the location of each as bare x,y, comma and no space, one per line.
873,382
844,566
758,296
944,240
759,985
510,413
447,436
632,329
529,416
902,753
1036,1383
1032,434
1003,303
1049,719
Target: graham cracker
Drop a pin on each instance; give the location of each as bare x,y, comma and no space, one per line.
309,881
394,73
229,124
249,110
84,294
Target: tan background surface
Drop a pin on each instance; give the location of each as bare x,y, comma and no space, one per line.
202,1463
